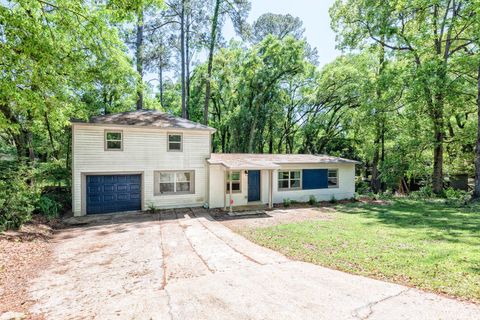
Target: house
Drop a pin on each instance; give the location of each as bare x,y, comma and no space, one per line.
135,160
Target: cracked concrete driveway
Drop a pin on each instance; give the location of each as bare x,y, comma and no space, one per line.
184,265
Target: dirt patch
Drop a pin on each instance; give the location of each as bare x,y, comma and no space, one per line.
277,217
23,255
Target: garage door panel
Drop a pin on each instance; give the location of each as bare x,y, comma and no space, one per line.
112,193
122,187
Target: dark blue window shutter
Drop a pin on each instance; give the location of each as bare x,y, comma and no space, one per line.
314,179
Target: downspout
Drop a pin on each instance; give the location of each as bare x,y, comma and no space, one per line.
230,182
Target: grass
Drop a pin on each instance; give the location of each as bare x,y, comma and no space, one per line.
427,245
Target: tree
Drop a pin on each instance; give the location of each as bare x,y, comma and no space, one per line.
476,192
158,58
428,35
277,25
237,10
54,55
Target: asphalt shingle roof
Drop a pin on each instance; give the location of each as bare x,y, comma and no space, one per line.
148,118
271,161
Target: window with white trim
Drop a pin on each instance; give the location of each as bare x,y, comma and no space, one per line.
332,178
236,178
113,140
289,180
175,142
174,182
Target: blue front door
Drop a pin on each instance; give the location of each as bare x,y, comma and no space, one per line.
113,193
253,185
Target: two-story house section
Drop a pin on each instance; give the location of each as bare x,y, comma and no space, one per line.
130,161
134,160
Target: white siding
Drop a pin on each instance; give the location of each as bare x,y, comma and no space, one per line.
145,151
345,190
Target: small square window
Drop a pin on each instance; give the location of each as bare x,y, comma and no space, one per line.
235,177
290,180
175,142
113,140
333,178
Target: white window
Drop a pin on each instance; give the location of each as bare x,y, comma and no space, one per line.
289,180
333,178
236,178
175,142
113,140
174,182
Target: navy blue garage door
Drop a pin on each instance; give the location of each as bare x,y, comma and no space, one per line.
112,193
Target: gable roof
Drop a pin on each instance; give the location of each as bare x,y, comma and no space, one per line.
271,161
147,118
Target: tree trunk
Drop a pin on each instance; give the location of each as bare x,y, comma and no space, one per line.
379,118
182,54
50,136
139,58
160,83
270,129
476,191
187,64
438,125
213,39
253,129
375,182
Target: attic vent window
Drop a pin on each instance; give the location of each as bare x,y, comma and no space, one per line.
175,142
114,140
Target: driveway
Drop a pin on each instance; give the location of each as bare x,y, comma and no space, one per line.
184,265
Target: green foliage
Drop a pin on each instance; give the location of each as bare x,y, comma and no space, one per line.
287,202
17,197
333,200
428,245
312,200
152,208
456,197
48,207
425,192
54,172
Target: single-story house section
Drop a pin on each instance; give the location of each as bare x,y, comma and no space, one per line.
271,178
136,160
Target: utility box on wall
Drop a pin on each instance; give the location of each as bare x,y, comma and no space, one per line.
459,181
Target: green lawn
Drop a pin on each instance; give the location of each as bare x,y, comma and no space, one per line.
426,245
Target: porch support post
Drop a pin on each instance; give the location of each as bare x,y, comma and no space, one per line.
225,190
270,189
230,181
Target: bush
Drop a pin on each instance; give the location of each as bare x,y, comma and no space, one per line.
333,199
17,197
456,197
425,192
49,207
152,208
287,202
61,195
362,187
312,200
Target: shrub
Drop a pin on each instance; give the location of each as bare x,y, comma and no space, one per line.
61,195
456,197
362,187
312,200
333,199
49,207
17,197
287,202
152,208
425,192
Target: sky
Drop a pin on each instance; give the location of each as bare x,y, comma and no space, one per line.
313,13
315,17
